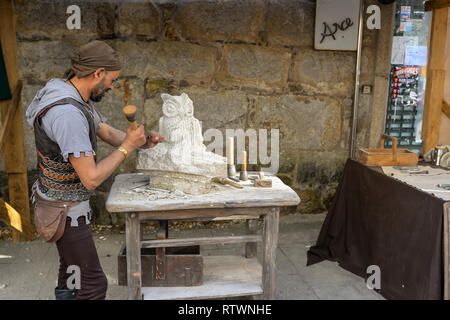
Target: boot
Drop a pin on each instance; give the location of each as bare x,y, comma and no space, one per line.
65,294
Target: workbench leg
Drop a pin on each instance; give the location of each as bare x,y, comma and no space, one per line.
250,247
270,245
132,234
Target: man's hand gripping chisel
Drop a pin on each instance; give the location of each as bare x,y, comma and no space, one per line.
130,113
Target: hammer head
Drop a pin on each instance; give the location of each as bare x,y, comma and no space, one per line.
130,112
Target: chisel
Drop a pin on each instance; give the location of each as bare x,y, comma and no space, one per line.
227,181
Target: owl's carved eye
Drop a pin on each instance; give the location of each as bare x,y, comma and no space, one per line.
171,106
170,109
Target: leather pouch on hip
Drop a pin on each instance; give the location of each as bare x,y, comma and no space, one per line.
50,219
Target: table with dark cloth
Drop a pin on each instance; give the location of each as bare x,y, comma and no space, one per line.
375,219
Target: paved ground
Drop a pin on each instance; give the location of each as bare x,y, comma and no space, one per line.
29,270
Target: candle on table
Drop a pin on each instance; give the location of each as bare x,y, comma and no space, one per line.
244,163
230,149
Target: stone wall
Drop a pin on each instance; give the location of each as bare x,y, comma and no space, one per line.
245,64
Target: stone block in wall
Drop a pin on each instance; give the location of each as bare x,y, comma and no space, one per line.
315,200
325,72
347,114
220,109
320,168
139,19
317,178
310,201
47,19
229,20
43,60
166,59
154,87
288,160
254,66
290,23
304,122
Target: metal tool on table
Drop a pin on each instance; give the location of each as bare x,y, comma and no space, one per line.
243,175
234,179
411,170
227,181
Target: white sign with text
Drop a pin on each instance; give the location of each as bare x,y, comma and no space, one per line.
336,25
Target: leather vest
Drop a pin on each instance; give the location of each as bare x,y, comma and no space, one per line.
57,178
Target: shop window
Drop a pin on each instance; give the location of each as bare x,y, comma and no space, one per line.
408,74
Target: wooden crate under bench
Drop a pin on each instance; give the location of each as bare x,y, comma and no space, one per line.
183,267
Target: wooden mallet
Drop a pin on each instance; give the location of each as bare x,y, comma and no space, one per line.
130,113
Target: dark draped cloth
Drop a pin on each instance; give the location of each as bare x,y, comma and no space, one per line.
377,220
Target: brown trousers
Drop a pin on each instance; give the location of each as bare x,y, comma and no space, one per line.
77,247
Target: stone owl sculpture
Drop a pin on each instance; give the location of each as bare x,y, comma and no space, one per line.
183,149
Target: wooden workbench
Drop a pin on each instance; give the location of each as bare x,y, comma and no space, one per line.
224,276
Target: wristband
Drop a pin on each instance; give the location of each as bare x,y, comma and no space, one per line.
124,151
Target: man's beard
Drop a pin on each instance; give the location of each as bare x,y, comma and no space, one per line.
99,91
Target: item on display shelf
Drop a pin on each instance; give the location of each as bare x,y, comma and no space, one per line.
403,106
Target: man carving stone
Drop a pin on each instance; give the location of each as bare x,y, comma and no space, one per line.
66,125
